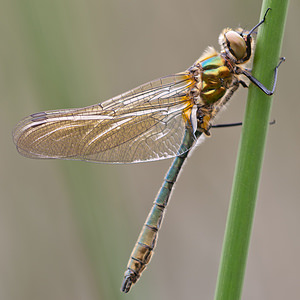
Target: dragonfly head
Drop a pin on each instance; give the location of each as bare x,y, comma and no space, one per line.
236,45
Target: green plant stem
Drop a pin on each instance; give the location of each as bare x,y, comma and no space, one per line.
250,157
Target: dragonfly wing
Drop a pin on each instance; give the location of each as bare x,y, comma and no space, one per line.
146,123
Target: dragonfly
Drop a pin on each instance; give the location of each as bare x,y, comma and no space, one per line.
158,120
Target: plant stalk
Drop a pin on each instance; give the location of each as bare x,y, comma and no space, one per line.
250,157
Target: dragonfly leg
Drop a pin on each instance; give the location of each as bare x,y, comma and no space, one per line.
243,84
259,84
262,21
235,124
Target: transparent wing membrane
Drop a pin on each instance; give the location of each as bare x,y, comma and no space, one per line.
143,124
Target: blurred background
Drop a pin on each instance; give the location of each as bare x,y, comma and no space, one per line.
67,228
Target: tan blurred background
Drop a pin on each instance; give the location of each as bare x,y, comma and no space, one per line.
67,228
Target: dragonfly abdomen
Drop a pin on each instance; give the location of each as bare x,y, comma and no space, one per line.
143,249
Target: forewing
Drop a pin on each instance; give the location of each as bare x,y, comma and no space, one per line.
143,124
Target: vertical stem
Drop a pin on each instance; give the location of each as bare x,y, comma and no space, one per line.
250,157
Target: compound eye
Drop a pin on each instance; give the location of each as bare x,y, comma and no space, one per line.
236,44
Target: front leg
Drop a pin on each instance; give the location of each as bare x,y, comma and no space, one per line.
243,84
259,84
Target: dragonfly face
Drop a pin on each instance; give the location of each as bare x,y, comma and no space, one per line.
157,120
236,45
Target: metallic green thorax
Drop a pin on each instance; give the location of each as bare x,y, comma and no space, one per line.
215,77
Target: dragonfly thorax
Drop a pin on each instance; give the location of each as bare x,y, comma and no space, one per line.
216,79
